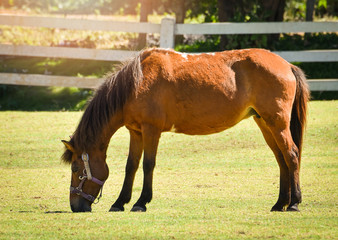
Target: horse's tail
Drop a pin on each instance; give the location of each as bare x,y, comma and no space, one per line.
299,109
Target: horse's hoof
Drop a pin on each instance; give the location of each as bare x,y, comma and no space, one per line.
293,208
138,209
116,209
277,209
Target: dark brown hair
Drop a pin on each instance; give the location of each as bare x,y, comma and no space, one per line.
299,111
109,98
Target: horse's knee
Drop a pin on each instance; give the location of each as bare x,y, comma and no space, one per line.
131,166
292,160
148,166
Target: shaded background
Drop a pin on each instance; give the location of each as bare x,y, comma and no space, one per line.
185,11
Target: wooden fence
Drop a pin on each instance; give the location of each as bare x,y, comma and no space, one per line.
167,30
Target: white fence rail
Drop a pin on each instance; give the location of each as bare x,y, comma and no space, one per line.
256,28
48,80
120,55
167,30
66,52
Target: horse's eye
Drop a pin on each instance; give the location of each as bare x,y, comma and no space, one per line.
75,167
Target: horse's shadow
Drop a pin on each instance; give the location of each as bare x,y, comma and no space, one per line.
57,212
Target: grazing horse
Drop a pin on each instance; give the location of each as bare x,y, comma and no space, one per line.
161,90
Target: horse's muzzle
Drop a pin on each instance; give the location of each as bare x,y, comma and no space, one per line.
80,204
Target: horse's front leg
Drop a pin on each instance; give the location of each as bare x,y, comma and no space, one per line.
151,136
135,153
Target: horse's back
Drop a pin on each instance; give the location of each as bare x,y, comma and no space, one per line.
203,93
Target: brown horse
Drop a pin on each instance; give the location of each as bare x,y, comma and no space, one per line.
162,90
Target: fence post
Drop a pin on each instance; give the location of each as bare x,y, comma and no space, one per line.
167,38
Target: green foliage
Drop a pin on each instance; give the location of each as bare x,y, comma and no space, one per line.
289,42
283,43
327,7
306,42
209,44
207,8
63,67
246,41
295,10
52,98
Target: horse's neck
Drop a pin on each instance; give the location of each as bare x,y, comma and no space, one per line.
115,123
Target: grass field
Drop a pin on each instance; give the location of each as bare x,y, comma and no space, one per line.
219,186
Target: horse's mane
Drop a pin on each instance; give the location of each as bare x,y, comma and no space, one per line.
109,98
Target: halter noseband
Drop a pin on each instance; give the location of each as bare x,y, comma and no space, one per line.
87,175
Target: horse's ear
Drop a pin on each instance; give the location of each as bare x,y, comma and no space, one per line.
68,145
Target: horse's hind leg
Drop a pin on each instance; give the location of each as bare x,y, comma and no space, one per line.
279,127
284,188
135,153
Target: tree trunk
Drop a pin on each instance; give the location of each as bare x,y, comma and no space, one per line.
310,6
226,12
275,10
146,8
180,16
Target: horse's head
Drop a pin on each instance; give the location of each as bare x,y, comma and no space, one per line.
89,172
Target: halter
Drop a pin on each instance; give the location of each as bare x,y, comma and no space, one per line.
87,175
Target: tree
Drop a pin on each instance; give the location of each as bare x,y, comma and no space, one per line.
146,9
226,11
310,7
274,10
179,7
249,11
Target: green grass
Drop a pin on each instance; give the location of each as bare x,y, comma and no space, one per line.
219,186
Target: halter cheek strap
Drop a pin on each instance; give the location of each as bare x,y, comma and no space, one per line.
87,175
85,159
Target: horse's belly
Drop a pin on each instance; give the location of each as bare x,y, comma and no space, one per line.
197,130
207,122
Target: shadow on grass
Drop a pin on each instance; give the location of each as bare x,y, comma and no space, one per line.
27,98
47,212
32,98
57,212
332,95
